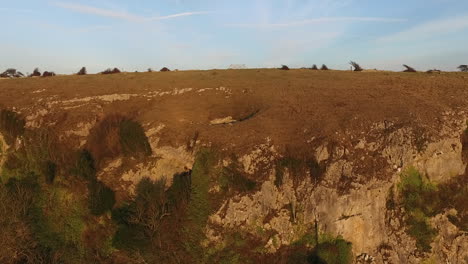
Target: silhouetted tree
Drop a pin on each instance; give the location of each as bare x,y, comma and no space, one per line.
356,66
314,67
463,68
111,71
82,71
36,73
165,69
11,73
408,68
324,67
284,67
48,74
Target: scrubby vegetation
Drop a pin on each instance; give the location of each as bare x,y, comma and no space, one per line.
419,202
11,125
232,179
298,168
111,71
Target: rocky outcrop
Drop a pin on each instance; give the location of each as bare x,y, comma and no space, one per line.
351,200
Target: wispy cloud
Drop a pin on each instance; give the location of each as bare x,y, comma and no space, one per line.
320,20
429,29
121,14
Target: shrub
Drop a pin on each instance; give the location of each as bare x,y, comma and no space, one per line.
165,69
356,66
463,68
101,198
133,139
140,220
48,74
11,73
111,71
82,71
284,67
11,125
324,67
408,68
150,70
314,67
85,166
36,73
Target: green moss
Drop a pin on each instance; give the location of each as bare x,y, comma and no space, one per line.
58,223
420,200
199,207
334,251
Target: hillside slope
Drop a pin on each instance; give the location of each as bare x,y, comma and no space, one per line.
283,165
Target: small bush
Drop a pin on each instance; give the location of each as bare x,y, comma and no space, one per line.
11,125
463,68
11,73
140,220
284,68
101,198
36,73
85,166
150,70
82,71
314,67
408,68
111,71
48,74
356,66
165,69
324,67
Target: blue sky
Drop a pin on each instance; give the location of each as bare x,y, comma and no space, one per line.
134,35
